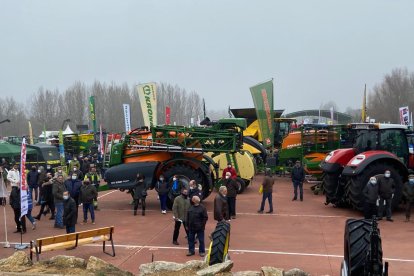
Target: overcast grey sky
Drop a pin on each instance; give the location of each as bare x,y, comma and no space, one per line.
316,51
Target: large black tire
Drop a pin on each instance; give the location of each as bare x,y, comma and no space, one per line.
220,241
330,184
356,184
357,245
241,184
185,174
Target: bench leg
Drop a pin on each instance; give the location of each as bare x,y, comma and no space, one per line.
37,253
113,248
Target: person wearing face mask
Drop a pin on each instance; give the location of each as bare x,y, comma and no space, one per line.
162,189
140,193
58,189
60,171
408,193
74,163
180,208
176,188
231,170
386,187
78,172
370,193
298,176
87,194
73,186
95,180
194,191
232,188
221,208
47,197
32,181
70,213
13,176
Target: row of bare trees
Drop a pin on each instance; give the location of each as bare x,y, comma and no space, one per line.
49,108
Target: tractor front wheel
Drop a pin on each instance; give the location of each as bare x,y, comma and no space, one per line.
219,246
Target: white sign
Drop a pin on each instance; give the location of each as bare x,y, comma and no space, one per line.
405,116
127,117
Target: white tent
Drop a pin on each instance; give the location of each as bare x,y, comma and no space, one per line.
49,134
67,130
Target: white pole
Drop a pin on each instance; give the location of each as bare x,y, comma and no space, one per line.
6,244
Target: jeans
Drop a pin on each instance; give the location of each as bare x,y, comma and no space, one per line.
191,241
163,202
29,216
231,201
177,229
70,229
86,207
36,190
59,214
297,184
387,206
267,196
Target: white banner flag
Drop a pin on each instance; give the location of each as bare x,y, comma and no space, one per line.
127,117
23,183
148,98
404,115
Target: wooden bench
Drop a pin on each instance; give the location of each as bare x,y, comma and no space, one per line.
73,240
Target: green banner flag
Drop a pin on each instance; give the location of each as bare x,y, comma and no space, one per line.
61,149
263,102
92,112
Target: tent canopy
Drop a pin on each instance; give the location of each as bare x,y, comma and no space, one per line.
67,130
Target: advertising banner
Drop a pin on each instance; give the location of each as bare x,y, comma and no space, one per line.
23,182
404,115
127,117
147,93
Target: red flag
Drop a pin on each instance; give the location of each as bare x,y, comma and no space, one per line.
167,115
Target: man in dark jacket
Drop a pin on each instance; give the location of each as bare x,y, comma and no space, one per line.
221,208
32,181
40,181
76,171
267,192
57,189
86,166
370,193
180,208
162,189
70,213
95,180
87,194
73,185
232,188
15,204
194,191
408,193
196,220
298,176
140,193
386,186
47,197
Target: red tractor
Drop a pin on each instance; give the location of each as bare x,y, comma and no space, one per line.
376,148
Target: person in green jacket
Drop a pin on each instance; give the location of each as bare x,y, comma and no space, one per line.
180,208
73,163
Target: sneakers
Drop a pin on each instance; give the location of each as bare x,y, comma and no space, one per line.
202,254
190,254
34,226
164,212
84,222
260,211
93,222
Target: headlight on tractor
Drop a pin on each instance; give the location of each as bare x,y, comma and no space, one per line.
329,156
357,160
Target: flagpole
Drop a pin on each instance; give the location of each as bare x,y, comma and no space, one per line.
6,243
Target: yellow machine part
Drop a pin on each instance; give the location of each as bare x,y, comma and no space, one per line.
245,164
251,149
253,130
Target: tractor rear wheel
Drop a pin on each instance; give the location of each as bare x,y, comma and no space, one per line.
356,184
185,174
330,184
357,244
220,241
241,184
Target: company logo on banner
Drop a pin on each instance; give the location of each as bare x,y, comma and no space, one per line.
404,115
23,182
148,98
167,115
127,117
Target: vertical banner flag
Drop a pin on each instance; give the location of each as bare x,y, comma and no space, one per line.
61,149
404,115
147,93
101,142
30,134
263,102
23,183
364,106
92,112
127,117
167,115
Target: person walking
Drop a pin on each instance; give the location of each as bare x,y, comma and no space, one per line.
196,220
408,193
58,188
162,189
267,192
140,193
180,208
70,213
221,208
47,197
298,176
40,181
15,204
194,191
95,180
232,188
370,193
32,181
231,170
29,211
386,187
87,194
